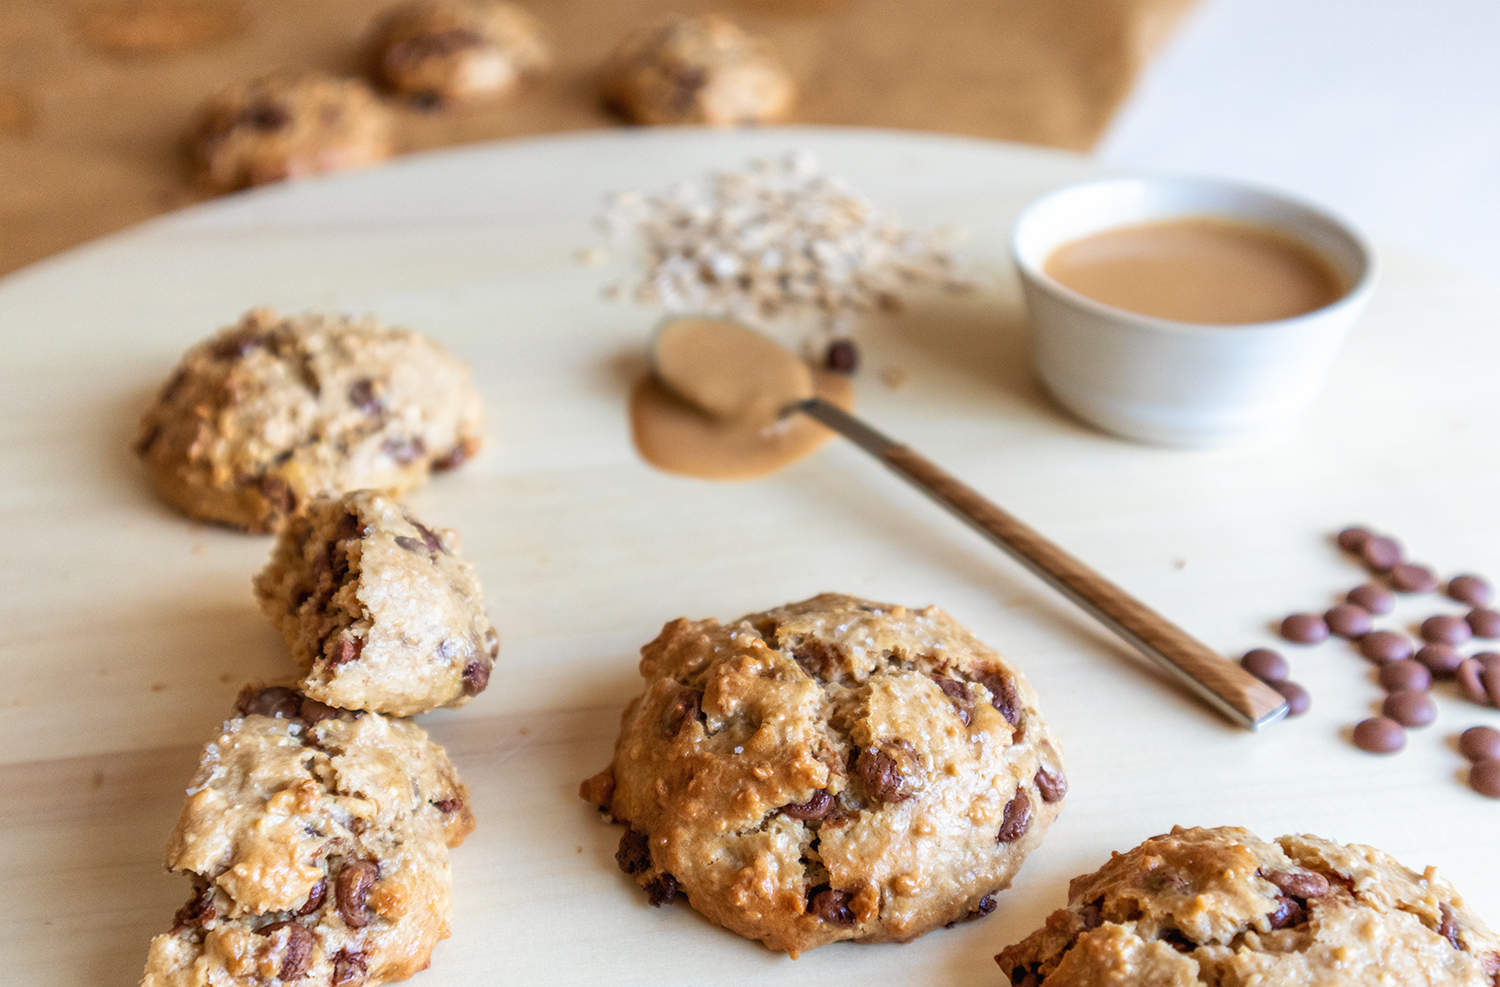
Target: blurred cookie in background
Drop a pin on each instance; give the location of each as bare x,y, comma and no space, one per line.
698,70
152,28
443,52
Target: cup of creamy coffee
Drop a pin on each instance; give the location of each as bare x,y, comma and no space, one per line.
1187,311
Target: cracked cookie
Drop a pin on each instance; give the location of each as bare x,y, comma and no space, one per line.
287,126
269,413
318,843
456,51
834,769
378,609
698,70
1220,906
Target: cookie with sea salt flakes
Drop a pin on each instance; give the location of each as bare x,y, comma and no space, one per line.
317,841
698,70
830,770
1220,906
458,51
378,609
269,413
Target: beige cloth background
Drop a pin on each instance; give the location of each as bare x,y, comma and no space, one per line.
94,96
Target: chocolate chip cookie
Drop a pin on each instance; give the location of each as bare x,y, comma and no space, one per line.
457,51
1219,906
318,842
287,126
262,417
378,609
698,70
834,769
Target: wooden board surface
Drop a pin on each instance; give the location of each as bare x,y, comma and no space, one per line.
128,630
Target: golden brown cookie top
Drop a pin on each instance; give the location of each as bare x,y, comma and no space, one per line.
835,769
1220,906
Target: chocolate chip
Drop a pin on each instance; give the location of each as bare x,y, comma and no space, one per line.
1480,744
1448,925
1476,591
1288,913
347,649
634,854
686,708
314,898
455,457
955,690
476,677
198,910
1440,659
1372,597
842,357
414,545
1407,577
446,806
661,890
985,906
1017,819
1353,539
1266,665
1384,646
1467,675
237,344
276,701
362,396
1304,628
880,774
350,890
1299,884
816,807
1349,621
404,451
831,906
1297,699
1052,786
348,966
429,537
299,947
1484,778
1405,674
266,115
1410,707
1484,622
1379,735
1381,553
1003,695
1446,629
311,711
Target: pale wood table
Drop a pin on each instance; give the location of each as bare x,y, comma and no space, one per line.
128,630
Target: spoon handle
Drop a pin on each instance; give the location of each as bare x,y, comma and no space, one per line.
1224,685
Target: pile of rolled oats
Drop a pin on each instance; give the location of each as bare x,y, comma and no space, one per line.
783,240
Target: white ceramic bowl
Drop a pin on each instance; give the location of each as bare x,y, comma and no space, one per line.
1181,383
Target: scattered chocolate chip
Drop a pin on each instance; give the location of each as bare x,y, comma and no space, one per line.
1052,786
1407,577
1177,939
1484,778
1410,707
959,693
1384,646
198,910
347,649
446,806
1448,925
348,966
1476,591
661,890
1446,629
816,807
1003,695
1440,659
236,345
429,537
1349,621
823,902
277,701
314,898
1372,597
350,890
1381,553
1467,675
1353,539
476,677
455,457
1485,623
686,708
842,357
311,711
1017,819
1266,665
362,396
404,451
1288,914
634,854
1299,884
1379,735
1297,699
985,905
414,545
1480,744
1405,674
880,774
1304,628
299,947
